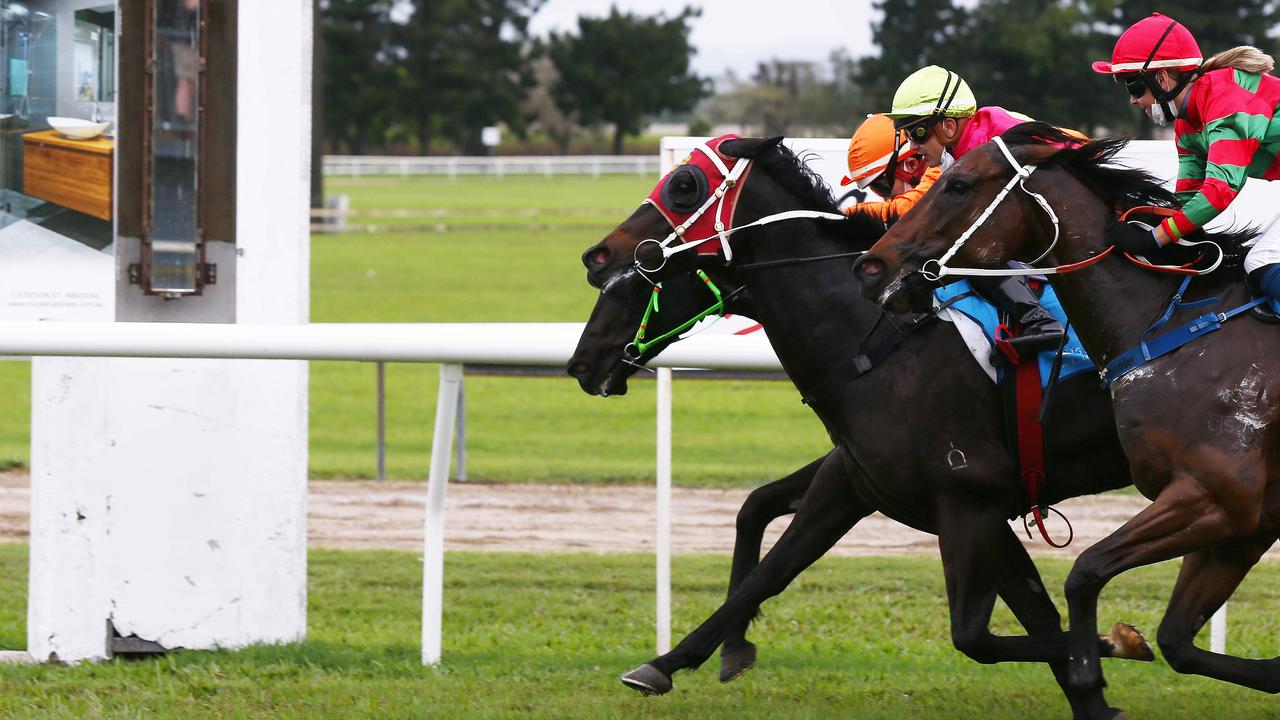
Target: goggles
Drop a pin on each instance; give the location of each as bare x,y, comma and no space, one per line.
917,129
1134,83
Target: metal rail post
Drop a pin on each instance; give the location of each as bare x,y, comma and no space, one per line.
460,467
382,421
433,533
664,511
1218,631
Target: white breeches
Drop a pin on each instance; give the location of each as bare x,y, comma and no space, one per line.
1266,251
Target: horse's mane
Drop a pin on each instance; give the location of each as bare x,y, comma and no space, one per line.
1120,187
796,177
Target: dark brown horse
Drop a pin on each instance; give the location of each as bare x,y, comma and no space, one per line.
920,437
1200,425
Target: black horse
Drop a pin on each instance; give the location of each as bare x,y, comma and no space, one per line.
1201,424
929,389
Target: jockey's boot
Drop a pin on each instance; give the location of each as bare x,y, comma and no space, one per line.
1266,280
1040,331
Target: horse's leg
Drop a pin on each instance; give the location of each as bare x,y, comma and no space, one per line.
1183,518
764,505
827,511
980,557
1207,579
1023,591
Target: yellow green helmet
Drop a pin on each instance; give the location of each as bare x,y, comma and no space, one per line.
933,91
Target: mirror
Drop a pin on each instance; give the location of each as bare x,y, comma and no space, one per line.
175,242
95,52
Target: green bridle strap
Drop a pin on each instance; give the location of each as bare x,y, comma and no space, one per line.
717,308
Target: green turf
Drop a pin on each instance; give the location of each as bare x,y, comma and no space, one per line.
546,635
15,413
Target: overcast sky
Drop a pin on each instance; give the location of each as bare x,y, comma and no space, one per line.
738,34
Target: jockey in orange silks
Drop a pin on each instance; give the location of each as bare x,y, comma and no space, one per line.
880,158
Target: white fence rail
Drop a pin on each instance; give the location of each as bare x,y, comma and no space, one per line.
452,167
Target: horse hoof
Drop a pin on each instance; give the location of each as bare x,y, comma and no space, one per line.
1128,643
647,680
737,661
1116,714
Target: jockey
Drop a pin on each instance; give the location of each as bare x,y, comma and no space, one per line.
1222,111
942,120
882,159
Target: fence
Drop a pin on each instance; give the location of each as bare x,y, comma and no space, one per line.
451,345
452,167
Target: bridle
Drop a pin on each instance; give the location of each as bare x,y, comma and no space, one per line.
668,246
1021,173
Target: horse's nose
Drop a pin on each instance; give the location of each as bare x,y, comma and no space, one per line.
596,257
869,270
578,368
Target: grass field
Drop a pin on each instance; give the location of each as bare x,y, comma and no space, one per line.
518,429
545,636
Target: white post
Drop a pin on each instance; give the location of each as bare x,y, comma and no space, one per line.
433,534
664,511
1218,631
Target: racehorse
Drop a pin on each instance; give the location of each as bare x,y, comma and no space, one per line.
1199,424
793,277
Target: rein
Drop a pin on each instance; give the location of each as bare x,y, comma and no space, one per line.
638,346
798,261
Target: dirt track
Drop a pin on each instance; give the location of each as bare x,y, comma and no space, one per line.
568,518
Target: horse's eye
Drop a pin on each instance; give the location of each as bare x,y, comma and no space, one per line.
959,186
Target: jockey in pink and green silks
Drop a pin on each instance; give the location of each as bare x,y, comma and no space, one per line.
1223,112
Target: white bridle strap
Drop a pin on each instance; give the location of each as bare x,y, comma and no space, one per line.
776,217
714,157
731,178
1021,174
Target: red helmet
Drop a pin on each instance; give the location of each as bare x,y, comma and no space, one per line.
1155,43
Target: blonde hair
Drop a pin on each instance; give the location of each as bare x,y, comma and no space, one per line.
1245,57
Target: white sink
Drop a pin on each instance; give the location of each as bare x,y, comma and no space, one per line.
77,128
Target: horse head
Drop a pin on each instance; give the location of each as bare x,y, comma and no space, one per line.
985,211
648,298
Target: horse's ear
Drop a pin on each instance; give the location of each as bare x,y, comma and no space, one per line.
1035,154
749,147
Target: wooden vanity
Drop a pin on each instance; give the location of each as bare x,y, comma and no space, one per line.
72,173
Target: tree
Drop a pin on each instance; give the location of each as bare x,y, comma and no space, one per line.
619,68
785,97
464,66
542,109
1033,57
358,74
910,35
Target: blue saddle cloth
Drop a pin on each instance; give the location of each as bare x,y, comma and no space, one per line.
1074,358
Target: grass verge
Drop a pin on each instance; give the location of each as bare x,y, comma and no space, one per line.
545,636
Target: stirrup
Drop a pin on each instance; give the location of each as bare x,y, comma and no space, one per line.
1268,312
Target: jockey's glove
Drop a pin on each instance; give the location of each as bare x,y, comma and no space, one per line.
1132,238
